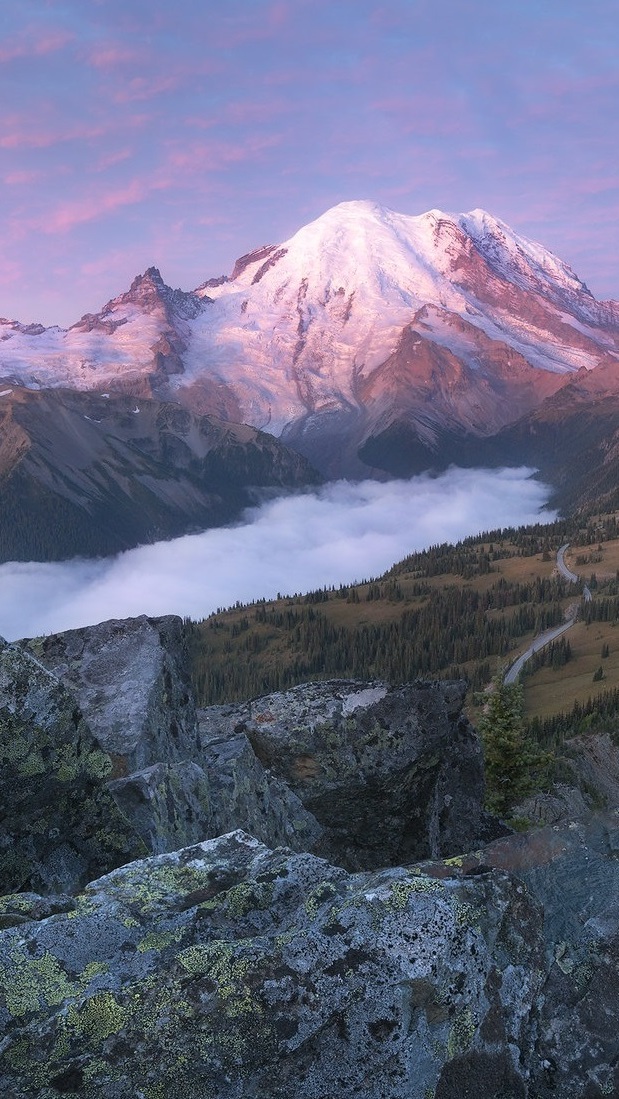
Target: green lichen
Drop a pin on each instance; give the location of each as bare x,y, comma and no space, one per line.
244,897
92,970
228,971
401,891
144,891
461,1034
32,983
321,893
466,915
158,940
32,765
98,1017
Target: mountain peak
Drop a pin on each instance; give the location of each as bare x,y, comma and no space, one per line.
151,279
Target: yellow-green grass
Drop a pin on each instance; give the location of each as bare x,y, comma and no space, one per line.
602,559
550,691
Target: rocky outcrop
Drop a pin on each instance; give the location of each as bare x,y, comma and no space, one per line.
59,824
230,970
235,963
392,775
361,774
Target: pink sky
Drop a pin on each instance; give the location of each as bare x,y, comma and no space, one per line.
135,134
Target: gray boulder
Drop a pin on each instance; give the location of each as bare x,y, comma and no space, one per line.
131,680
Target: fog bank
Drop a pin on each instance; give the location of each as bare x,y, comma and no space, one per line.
341,533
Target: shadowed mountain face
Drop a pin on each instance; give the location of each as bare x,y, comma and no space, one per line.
90,475
365,333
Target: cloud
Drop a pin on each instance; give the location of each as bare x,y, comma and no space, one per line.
68,215
143,87
35,45
290,544
110,55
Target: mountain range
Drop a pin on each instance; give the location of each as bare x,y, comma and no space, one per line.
372,343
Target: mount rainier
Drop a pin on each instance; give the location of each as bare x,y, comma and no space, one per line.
371,342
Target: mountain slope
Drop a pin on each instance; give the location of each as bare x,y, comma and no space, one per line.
365,327
573,438
85,474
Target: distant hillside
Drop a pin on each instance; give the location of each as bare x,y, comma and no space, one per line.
86,474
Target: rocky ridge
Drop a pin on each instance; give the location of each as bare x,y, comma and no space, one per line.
171,922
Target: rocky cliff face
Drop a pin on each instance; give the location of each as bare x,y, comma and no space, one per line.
171,923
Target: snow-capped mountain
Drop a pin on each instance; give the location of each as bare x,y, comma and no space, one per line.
364,325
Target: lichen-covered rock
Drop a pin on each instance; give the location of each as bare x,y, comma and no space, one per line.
392,775
227,970
131,680
245,795
572,870
59,825
177,786
168,805
176,804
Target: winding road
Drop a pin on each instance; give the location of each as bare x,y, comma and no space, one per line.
549,635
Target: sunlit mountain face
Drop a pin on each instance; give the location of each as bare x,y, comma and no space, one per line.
372,343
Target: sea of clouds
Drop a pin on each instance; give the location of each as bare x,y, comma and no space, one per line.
341,533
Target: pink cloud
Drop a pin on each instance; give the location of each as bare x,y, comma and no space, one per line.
242,113
109,263
215,155
427,114
66,216
142,88
32,45
112,55
14,179
20,133
110,159
45,138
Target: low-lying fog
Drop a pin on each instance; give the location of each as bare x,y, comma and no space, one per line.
340,533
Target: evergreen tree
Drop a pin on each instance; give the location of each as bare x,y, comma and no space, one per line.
510,755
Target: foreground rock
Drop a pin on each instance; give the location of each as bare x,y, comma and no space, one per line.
227,970
224,968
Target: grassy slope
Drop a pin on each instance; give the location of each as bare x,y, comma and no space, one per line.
369,630
249,650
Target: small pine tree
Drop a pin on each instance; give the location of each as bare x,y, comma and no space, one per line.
510,755
598,674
